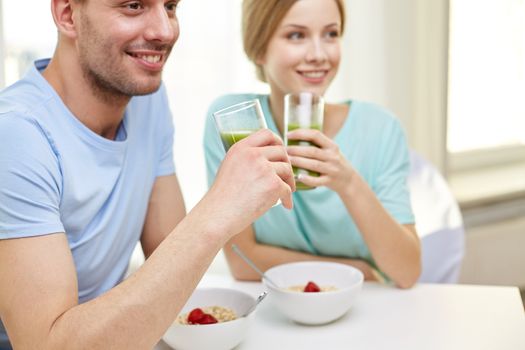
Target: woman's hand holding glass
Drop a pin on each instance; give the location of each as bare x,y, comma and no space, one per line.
326,159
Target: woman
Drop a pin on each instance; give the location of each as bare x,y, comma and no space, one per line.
360,213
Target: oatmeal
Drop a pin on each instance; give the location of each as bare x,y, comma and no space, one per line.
311,287
207,315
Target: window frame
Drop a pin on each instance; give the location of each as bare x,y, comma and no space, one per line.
478,159
466,172
485,158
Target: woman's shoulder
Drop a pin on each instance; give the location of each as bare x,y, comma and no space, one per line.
372,115
372,111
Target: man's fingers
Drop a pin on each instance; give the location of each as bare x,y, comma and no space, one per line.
284,171
263,137
287,183
275,154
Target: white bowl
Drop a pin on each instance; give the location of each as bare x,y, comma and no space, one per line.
225,335
314,308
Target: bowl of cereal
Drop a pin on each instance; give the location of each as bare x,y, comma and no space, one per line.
211,319
314,292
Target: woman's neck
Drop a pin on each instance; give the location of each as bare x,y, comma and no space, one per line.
276,103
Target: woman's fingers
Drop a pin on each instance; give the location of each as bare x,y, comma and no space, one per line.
312,152
312,135
310,164
312,181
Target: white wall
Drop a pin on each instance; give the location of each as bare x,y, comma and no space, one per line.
206,62
494,254
393,54
396,55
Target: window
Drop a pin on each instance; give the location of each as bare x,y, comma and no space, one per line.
486,108
22,46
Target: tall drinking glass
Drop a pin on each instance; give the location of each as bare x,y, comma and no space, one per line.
302,110
239,121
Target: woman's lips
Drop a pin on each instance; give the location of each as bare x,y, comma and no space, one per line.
314,76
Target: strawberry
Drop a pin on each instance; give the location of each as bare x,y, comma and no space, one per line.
207,319
311,287
195,316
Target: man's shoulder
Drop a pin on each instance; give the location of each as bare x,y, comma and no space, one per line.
18,110
20,129
21,98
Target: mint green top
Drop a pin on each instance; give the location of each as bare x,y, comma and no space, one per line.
373,141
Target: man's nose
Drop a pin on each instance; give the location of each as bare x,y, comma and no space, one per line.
160,26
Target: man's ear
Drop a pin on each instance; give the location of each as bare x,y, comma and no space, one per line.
63,11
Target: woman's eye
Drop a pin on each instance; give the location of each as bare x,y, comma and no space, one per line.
333,34
295,36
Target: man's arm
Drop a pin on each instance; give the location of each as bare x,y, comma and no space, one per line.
165,210
38,294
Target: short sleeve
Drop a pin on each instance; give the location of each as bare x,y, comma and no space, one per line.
391,186
166,165
30,180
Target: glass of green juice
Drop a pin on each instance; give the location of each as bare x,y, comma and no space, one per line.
303,110
239,121
236,122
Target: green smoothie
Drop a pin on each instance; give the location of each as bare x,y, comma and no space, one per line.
296,171
229,138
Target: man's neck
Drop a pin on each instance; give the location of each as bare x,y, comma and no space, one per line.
101,114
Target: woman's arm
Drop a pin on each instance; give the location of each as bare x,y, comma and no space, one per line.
267,256
394,247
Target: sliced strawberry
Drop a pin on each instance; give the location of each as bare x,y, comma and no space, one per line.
195,315
207,319
311,287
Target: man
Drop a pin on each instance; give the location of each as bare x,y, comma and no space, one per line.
86,171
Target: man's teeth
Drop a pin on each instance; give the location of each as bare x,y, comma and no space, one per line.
313,74
150,58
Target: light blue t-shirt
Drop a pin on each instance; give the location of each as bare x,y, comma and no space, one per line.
373,141
57,175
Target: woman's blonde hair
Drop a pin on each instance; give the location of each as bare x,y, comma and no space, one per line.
260,19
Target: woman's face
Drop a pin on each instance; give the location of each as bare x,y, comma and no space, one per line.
304,52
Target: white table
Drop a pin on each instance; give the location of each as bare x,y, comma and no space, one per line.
428,316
